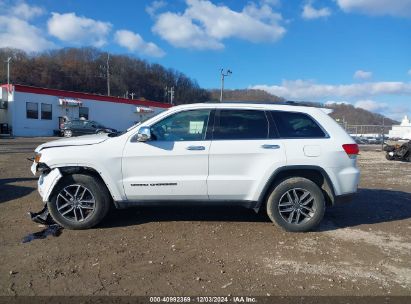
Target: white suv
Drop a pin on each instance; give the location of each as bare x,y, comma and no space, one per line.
291,161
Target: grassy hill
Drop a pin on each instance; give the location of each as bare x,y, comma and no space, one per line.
358,116
245,95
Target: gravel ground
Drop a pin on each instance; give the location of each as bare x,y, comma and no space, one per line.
361,248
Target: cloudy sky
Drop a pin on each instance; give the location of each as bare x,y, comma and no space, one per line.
352,51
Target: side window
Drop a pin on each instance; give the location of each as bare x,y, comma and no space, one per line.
241,124
183,126
32,110
296,125
46,111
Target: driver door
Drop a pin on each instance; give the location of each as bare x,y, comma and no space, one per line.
173,163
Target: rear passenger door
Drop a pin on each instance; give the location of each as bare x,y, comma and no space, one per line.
304,139
244,152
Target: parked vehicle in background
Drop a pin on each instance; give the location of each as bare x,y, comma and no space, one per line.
289,161
374,140
77,127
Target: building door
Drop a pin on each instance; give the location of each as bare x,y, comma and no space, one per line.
70,112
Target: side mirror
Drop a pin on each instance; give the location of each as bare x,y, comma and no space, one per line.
144,134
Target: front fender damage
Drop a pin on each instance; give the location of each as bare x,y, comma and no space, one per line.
46,184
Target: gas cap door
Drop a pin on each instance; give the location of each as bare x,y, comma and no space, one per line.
312,151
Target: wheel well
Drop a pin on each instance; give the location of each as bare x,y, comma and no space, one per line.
320,178
81,170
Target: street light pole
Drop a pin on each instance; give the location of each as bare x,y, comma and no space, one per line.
228,73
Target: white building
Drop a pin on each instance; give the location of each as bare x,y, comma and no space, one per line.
402,131
32,111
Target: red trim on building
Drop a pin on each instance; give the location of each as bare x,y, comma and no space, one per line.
71,94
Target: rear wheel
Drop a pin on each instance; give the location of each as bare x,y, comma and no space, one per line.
68,133
296,204
79,201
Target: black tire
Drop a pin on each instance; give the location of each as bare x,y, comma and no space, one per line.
97,192
280,213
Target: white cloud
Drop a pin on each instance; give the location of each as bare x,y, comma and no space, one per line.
309,12
303,90
18,33
24,11
180,31
360,74
371,105
78,30
135,43
271,2
154,7
203,25
400,8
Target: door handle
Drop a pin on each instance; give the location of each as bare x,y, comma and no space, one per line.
270,146
195,148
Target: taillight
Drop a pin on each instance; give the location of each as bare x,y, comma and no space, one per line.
351,149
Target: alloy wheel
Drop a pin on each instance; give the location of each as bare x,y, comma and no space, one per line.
75,203
297,206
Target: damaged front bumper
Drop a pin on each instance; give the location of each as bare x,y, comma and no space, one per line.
47,182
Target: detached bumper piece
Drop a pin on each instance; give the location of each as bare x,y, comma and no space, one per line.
42,217
397,152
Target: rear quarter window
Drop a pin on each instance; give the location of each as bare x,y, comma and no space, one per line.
296,125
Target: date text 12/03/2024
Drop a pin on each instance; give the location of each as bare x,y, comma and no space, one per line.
203,299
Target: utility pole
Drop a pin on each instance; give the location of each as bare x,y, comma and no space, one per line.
108,74
172,95
223,75
169,92
8,72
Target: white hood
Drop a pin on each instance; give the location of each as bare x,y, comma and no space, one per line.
74,141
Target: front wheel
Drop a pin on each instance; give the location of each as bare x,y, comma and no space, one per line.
68,133
296,204
79,202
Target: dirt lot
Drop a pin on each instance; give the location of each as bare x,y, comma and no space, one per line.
361,248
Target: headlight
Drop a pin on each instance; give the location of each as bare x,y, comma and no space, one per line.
37,157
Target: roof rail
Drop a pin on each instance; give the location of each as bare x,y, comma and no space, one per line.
288,103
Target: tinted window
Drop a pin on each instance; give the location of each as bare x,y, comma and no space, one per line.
296,125
183,126
241,124
32,110
74,124
46,112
